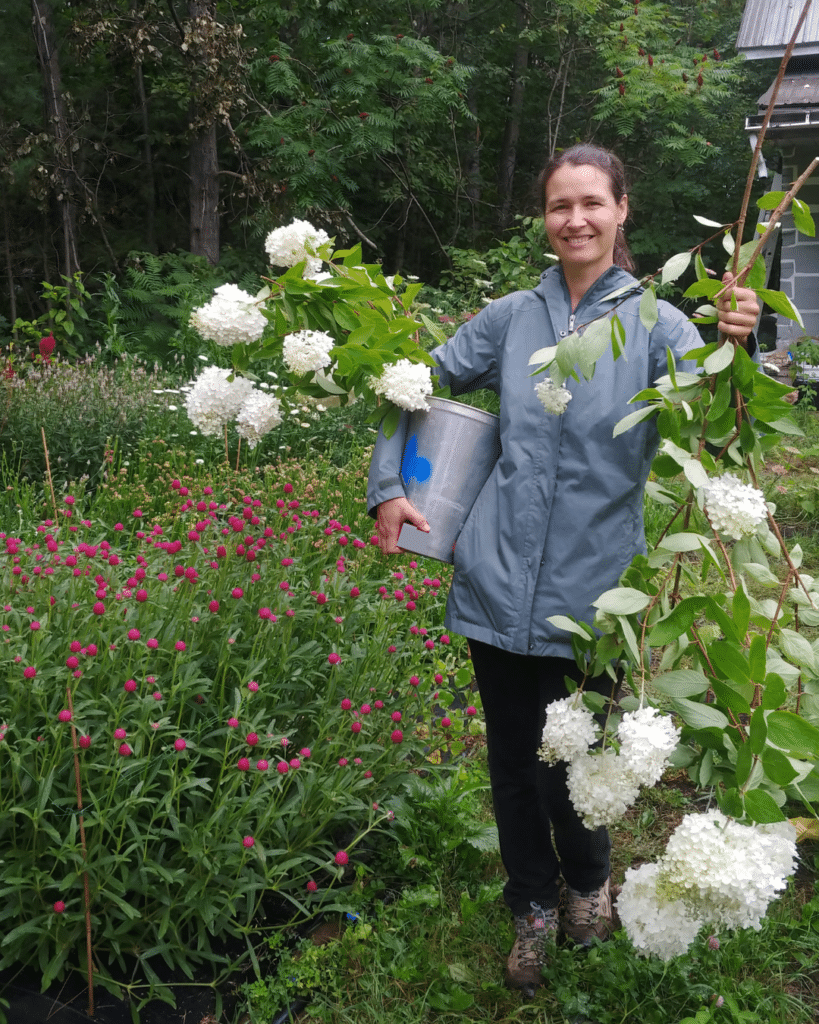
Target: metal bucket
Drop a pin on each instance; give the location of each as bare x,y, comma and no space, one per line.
448,456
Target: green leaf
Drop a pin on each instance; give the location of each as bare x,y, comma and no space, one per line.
780,303
718,360
758,731
733,695
778,767
675,266
762,808
729,659
564,622
543,356
797,648
741,610
695,473
707,288
683,682
618,337
678,621
632,419
757,657
770,200
802,218
792,733
700,716
648,309
622,601
678,542
390,421
773,692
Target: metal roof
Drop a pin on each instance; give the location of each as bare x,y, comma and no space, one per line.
767,26
797,90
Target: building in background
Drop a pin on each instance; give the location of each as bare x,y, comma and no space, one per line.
766,29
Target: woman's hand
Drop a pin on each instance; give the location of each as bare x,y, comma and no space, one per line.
737,323
391,517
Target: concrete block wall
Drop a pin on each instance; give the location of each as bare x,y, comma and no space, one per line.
800,254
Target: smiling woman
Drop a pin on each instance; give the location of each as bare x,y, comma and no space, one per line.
556,524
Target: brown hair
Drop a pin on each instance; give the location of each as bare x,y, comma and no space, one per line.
612,166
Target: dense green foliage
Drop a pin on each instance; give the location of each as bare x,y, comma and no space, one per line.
410,128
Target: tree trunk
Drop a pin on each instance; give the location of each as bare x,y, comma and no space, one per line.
473,163
511,132
57,121
148,186
204,166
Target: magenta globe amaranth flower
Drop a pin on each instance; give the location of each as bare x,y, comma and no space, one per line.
64,715
243,764
179,744
59,907
312,886
342,858
248,842
397,736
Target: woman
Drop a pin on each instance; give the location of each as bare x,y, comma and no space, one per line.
558,521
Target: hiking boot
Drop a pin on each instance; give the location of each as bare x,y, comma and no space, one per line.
587,915
534,932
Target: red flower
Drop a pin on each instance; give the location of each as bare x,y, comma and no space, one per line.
59,906
248,841
47,346
342,858
311,886
397,736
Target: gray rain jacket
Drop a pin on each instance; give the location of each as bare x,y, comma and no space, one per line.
561,515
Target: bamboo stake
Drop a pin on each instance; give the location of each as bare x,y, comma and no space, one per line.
85,859
48,474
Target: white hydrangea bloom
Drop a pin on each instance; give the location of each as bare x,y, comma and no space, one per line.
307,351
553,397
213,400
230,318
647,740
654,924
726,871
601,787
569,731
734,508
404,383
258,416
289,245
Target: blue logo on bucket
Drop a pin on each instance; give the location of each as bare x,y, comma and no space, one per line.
413,465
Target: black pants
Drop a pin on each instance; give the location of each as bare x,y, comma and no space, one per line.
531,799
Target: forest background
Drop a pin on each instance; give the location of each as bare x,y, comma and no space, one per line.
139,128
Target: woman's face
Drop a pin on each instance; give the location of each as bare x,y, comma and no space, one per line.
582,217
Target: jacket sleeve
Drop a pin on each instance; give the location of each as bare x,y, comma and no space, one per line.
466,362
384,481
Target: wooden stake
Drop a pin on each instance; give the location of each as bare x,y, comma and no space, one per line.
48,474
85,859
